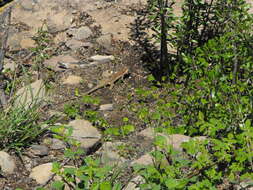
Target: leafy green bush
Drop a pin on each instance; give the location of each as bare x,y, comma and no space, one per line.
199,22
206,164
213,41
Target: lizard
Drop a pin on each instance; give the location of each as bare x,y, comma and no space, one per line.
109,81
104,82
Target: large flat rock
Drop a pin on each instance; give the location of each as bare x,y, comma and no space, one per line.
85,133
31,94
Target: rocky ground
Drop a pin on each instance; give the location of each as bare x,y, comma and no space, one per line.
86,41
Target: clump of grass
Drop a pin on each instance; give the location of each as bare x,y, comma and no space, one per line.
19,127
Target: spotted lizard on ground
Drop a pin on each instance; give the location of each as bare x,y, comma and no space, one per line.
109,81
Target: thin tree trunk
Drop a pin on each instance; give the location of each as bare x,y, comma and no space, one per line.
164,50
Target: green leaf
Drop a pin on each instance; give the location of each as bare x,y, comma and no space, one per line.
112,131
56,167
70,171
125,119
156,116
171,183
105,185
151,78
126,129
90,100
59,185
201,116
160,141
248,123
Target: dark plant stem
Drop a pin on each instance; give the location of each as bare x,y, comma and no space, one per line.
235,66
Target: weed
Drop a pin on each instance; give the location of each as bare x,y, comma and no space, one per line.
19,127
42,52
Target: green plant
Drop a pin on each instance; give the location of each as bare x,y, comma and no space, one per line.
75,110
122,130
19,127
90,100
96,119
126,128
42,40
72,110
205,164
88,174
125,150
43,51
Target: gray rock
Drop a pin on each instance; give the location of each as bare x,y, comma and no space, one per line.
105,41
175,140
42,173
246,184
27,4
60,38
145,159
148,133
61,62
132,185
14,41
199,138
31,19
106,107
76,44
59,21
54,113
9,65
85,133
54,144
81,33
109,154
7,163
39,150
17,41
27,162
102,58
26,43
30,95
72,80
